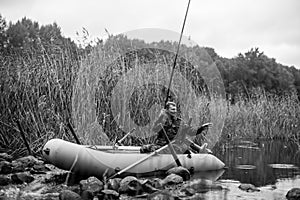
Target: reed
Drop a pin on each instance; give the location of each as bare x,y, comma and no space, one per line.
35,90
264,116
44,91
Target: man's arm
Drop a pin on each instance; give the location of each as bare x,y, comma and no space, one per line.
160,121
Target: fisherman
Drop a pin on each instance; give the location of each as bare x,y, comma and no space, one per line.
169,122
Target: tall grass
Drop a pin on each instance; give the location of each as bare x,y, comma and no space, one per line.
99,94
264,116
36,90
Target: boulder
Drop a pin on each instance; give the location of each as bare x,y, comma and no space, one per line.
24,163
5,167
40,168
113,184
56,177
27,161
87,195
4,180
172,179
131,186
92,184
22,177
157,183
181,171
293,194
248,187
147,186
69,195
188,191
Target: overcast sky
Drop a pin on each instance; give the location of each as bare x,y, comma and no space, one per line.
228,26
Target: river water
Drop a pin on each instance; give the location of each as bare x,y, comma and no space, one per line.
271,166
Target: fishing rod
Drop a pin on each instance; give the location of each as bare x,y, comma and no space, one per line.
176,55
165,106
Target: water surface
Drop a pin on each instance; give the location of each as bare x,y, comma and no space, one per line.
272,166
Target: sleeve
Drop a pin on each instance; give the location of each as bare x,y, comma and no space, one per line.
159,121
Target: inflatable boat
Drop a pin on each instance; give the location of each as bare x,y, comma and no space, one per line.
88,161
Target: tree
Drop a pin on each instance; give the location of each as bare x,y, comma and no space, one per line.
3,38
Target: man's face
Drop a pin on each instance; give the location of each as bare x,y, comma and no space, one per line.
172,108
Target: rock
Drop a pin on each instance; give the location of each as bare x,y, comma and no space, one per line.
5,167
201,186
147,186
17,167
22,177
25,162
172,179
6,157
87,195
181,171
188,191
69,195
4,180
56,177
40,167
293,194
108,195
36,187
248,187
131,186
91,184
160,195
113,184
157,183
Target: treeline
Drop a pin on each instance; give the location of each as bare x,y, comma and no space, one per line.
254,69
39,68
241,74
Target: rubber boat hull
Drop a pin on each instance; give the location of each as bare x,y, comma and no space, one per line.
90,161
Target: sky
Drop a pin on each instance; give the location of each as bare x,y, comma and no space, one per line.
230,27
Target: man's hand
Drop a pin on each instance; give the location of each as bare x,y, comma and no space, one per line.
163,112
162,115
206,126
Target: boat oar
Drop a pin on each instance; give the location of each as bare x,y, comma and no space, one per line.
139,161
171,147
125,136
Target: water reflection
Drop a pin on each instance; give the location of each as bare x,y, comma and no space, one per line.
259,163
209,175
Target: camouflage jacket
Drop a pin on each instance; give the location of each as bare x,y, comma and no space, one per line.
171,126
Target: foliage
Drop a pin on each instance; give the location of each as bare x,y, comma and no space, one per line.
36,85
43,73
253,70
265,115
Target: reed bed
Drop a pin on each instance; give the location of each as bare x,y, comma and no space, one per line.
98,92
264,116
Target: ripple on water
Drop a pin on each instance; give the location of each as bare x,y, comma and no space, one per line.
283,166
245,167
248,147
